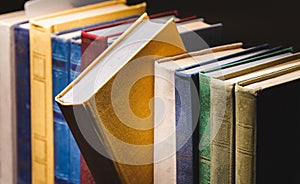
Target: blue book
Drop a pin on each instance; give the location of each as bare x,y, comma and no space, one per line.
22,69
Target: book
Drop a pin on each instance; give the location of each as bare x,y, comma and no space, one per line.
8,108
41,29
216,124
263,104
130,146
166,170
195,33
67,154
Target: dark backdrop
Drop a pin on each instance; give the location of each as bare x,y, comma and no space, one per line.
252,22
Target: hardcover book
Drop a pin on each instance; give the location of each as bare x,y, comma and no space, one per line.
41,87
126,138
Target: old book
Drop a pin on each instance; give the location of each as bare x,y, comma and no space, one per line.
264,105
125,137
8,108
41,29
195,33
216,141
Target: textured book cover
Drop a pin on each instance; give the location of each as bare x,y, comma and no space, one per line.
134,165
41,29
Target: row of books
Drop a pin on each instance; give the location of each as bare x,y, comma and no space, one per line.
106,93
158,113
41,55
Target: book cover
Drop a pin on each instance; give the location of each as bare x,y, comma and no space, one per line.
41,29
133,164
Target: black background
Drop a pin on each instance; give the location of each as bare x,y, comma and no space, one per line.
251,22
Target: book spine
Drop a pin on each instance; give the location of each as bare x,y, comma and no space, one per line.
222,126
204,130
91,48
75,68
22,71
187,130
67,160
42,137
245,164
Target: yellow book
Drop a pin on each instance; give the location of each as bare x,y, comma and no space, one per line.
40,32
110,105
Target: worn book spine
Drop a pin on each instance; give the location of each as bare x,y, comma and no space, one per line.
22,71
67,160
221,131
187,130
245,111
